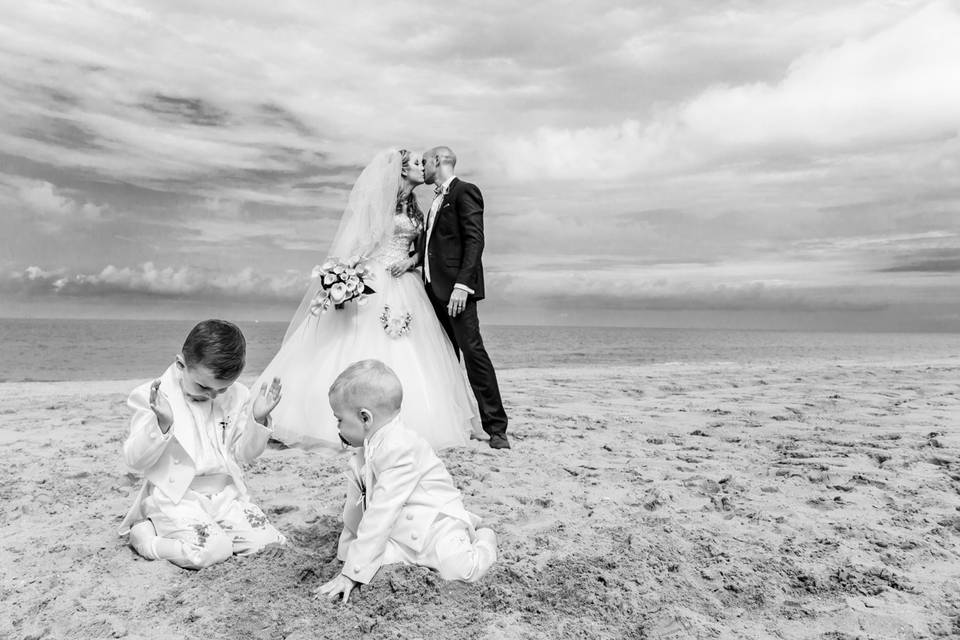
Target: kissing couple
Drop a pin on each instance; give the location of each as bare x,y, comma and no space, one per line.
401,286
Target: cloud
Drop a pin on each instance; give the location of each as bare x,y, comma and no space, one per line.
712,287
857,273
609,285
793,154
297,86
932,265
53,208
149,280
43,198
891,87
930,254
860,93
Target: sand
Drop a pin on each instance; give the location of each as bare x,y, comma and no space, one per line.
816,500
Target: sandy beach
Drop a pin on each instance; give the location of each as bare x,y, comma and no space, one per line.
814,500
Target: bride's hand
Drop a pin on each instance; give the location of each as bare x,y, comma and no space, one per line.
397,269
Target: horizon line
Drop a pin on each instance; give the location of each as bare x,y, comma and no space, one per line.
493,323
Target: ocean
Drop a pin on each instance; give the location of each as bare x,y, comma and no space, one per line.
62,349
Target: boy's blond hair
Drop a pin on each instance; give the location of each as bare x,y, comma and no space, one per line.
368,384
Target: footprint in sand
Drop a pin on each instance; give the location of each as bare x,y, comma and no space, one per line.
669,627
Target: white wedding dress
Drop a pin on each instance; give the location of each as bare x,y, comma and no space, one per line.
437,400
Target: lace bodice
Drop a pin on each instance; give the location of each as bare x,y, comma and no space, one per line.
397,248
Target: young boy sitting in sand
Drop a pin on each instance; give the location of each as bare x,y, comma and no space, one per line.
401,503
190,431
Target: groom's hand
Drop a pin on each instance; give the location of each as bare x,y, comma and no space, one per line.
458,302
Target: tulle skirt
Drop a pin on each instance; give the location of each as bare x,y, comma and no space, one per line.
437,400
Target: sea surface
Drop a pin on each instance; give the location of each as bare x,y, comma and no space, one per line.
60,349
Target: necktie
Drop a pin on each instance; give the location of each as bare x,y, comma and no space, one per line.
435,207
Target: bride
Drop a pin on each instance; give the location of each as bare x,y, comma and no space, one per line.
396,324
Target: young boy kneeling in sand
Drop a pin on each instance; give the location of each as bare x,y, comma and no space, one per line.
401,503
190,431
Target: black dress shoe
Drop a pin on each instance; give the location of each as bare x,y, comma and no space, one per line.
499,441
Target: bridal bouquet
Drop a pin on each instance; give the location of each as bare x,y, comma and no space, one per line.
341,281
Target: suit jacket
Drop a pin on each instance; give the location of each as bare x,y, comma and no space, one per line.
397,486
455,244
167,460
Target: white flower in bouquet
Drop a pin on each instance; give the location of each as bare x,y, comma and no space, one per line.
350,272
320,303
338,293
338,269
363,299
329,279
329,264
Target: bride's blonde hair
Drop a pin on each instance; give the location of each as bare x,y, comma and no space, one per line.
408,201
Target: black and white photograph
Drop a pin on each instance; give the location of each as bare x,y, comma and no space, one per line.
427,320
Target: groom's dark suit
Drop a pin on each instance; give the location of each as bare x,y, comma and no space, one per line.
451,249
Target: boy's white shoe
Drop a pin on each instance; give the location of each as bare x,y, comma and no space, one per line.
142,539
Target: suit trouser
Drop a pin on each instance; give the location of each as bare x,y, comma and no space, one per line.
208,528
452,549
464,333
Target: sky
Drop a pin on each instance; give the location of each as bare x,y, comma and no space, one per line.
790,164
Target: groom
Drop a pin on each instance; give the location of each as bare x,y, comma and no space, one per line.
451,246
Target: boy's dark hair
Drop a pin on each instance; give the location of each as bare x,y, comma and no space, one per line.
218,345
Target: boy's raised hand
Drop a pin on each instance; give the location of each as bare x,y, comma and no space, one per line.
160,406
341,585
267,400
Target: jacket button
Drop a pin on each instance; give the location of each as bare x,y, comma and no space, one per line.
176,461
414,536
153,435
356,570
409,516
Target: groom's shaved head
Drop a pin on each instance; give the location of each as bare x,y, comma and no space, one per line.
445,154
438,164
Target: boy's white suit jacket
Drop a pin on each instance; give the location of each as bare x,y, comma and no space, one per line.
410,488
167,460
